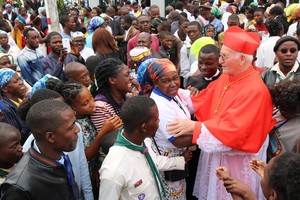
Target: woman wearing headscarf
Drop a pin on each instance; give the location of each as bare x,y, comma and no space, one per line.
172,103
95,23
214,16
13,91
17,33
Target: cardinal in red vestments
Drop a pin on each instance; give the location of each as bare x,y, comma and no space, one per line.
234,118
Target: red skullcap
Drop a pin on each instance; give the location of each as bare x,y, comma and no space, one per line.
241,41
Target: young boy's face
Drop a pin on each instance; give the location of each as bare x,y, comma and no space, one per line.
208,64
10,150
167,42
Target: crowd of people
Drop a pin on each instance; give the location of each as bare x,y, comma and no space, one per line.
124,103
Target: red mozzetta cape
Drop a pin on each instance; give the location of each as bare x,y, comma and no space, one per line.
244,116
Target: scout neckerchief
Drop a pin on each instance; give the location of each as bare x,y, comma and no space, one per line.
122,141
3,173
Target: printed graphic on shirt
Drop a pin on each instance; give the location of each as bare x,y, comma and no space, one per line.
141,196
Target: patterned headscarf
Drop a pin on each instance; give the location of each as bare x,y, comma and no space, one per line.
160,67
143,78
142,70
5,76
95,23
21,19
40,84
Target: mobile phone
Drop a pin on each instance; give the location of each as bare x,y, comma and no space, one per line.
66,44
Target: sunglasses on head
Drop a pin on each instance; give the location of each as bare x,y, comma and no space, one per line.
292,50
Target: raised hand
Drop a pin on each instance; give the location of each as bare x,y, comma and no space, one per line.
258,166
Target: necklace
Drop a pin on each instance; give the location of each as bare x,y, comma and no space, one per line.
227,87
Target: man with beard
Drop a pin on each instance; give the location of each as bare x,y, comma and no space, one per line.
55,61
29,59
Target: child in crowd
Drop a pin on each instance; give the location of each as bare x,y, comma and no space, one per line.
77,72
279,178
166,40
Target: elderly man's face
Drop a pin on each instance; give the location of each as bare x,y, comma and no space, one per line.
230,62
144,40
287,54
79,41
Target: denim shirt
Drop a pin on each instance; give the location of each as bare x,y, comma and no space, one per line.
30,63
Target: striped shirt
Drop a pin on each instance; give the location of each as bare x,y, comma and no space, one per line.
103,111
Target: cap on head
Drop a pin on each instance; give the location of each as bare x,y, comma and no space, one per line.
285,39
140,54
241,41
7,5
77,34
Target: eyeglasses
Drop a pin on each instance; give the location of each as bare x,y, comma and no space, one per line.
292,50
223,57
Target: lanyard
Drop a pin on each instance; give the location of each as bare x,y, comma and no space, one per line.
180,106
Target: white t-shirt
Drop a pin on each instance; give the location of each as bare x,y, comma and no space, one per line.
169,111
